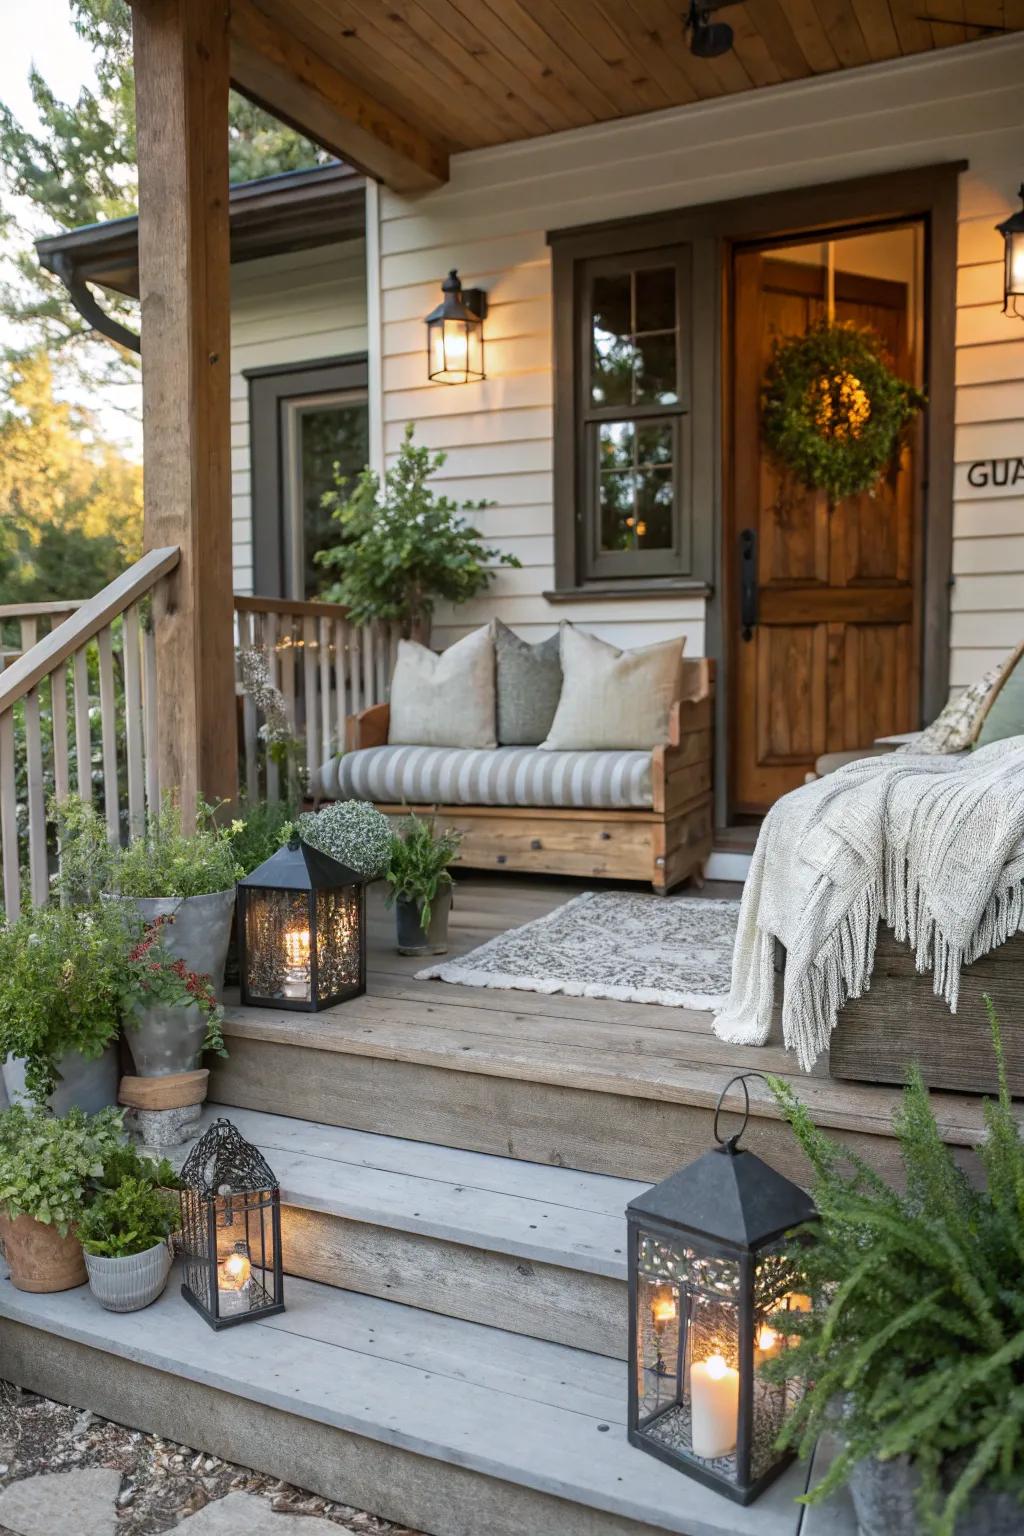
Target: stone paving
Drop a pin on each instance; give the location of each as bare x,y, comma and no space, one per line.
64,1472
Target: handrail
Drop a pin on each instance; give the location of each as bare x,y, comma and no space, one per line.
303,608
82,625
40,610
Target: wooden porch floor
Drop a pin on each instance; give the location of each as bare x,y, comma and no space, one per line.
627,1051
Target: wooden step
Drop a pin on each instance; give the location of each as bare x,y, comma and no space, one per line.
442,1425
519,1076
456,1232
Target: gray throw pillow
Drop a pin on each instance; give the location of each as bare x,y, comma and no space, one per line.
529,686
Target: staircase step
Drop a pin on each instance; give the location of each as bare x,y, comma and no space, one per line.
443,1425
463,1233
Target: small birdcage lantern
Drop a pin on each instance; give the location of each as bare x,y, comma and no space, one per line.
231,1230
708,1278
301,931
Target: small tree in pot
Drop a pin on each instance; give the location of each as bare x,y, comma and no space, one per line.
420,885
47,1173
914,1352
60,1007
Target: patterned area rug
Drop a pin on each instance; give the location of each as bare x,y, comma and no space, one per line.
674,950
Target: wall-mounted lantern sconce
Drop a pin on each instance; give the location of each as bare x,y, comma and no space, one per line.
455,334
1012,231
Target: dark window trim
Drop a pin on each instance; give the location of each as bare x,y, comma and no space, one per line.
268,387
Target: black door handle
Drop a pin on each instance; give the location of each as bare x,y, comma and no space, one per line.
748,582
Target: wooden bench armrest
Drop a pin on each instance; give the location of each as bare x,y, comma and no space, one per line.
367,729
693,710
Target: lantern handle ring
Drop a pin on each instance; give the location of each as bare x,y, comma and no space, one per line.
730,1142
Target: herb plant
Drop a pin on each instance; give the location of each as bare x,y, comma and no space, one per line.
125,1161
420,856
47,1166
151,975
131,1217
61,970
918,1327
165,861
259,831
352,831
402,546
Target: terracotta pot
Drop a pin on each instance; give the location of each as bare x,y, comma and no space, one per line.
38,1257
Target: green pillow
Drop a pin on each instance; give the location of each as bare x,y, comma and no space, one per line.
1006,712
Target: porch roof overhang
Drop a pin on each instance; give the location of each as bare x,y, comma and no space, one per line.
398,88
288,212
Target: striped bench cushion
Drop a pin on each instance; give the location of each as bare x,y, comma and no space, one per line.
500,776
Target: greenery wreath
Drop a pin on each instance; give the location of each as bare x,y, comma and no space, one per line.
833,411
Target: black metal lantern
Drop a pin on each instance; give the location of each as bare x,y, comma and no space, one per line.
231,1230
1012,231
301,931
455,334
707,1274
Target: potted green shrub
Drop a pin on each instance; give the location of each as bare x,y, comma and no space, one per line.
47,1166
186,878
913,1353
60,1007
420,885
402,547
353,832
171,1013
125,1233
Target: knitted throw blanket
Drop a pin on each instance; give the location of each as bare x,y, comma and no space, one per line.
934,846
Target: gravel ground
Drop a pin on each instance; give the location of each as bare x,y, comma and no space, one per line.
162,1483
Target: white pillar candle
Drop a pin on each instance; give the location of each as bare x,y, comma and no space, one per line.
714,1405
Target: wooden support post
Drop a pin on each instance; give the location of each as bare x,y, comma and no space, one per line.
181,83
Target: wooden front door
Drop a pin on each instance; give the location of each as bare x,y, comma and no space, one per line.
831,659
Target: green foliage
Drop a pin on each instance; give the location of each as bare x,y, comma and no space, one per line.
127,1219
125,1162
79,167
163,862
352,831
47,1166
919,1314
61,970
833,411
151,976
402,546
420,856
260,831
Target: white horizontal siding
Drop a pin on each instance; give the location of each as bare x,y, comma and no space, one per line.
490,221
293,308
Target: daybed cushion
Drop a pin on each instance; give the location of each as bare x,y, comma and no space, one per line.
447,699
1004,715
529,686
613,699
503,776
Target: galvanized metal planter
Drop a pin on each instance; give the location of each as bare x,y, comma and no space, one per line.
884,1494
412,940
83,1084
165,1038
200,930
129,1284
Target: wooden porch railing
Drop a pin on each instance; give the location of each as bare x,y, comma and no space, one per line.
326,668
52,697
22,624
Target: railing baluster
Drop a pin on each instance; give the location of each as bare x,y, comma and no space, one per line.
340,686
83,723
38,873
355,648
133,725
369,651
286,661
270,643
29,633
394,635
382,661
309,671
326,733
59,719
247,638
9,818
149,720
108,733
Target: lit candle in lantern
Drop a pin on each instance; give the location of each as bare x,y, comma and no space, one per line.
714,1402
769,1343
663,1308
795,1302
233,1275
296,957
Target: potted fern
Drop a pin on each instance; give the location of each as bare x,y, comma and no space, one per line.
420,885
126,1230
914,1352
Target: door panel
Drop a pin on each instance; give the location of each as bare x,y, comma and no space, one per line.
832,661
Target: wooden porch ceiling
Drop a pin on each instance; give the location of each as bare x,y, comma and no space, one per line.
397,87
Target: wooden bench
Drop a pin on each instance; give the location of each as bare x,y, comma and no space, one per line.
664,845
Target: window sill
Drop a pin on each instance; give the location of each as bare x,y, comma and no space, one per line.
678,586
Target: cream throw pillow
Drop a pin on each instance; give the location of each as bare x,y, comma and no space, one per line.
445,700
611,698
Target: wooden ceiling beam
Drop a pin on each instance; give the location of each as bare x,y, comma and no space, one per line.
279,72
